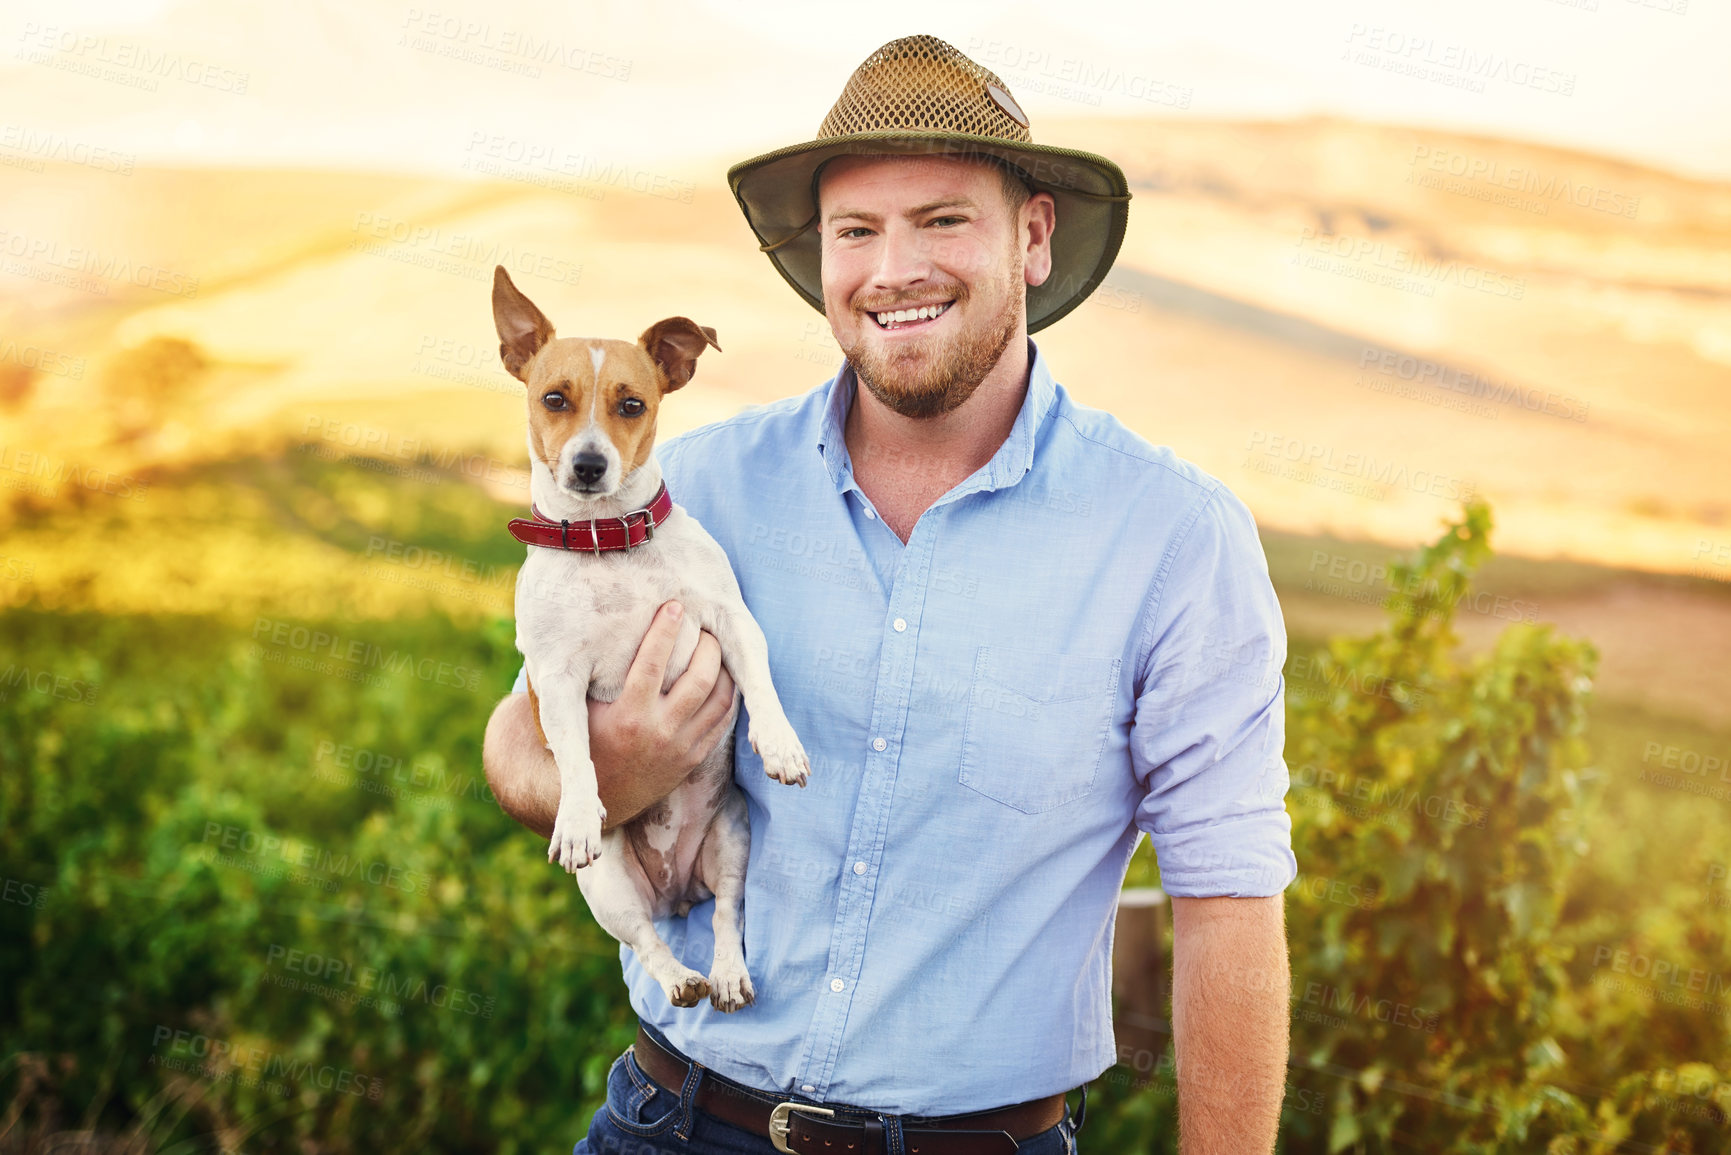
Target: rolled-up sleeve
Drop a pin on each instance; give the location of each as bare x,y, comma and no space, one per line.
1206,740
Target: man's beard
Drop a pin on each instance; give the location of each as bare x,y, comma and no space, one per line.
926,387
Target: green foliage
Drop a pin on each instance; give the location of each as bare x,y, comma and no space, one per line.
252,904
1453,794
1465,875
235,930
1439,812
1132,1112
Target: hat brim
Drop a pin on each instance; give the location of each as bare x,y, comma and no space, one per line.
777,192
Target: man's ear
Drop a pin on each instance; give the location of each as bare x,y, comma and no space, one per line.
1042,213
674,344
523,329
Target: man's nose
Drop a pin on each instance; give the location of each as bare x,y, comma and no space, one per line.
587,468
904,258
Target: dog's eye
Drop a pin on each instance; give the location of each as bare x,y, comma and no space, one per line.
630,407
554,401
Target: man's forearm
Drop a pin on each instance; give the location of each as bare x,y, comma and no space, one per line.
525,778
1231,1019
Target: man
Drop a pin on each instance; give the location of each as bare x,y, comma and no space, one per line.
1012,636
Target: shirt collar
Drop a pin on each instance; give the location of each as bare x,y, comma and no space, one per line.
1012,461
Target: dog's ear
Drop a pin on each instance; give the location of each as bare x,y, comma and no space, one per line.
674,344
523,329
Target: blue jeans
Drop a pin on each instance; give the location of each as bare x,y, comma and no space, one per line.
641,1117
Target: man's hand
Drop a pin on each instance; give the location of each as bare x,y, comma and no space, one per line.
1231,1020
643,745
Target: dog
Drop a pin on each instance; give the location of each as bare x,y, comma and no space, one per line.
606,548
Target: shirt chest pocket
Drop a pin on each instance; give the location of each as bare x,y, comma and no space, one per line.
1036,724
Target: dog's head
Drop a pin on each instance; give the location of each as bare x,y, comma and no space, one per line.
592,403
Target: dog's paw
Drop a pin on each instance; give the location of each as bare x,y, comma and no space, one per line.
577,835
687,989
783,757
730,988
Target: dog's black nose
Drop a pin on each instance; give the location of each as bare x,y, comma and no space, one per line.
587,468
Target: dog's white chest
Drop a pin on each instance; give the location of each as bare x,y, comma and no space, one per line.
577,611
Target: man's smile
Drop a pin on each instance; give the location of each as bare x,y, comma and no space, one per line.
910,317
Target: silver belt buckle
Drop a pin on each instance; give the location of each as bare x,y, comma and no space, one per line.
779,1126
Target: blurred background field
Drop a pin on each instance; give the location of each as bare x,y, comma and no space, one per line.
251,415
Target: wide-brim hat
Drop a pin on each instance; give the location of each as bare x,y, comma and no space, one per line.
919,96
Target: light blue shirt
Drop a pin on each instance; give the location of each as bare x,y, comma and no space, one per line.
1077,644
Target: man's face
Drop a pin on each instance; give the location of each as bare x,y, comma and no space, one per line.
935,235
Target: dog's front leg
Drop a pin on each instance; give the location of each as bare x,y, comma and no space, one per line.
746,654
565,720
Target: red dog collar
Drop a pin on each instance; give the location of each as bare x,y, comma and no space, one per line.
595,535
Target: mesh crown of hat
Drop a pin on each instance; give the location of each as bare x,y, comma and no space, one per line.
920,83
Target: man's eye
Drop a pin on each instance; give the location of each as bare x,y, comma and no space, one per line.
554,401
855,233
630,407
950,220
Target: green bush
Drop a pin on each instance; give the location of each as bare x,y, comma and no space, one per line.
1463,868
1440,811
161,981
1447,801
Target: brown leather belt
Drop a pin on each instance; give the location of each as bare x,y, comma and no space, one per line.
808,1129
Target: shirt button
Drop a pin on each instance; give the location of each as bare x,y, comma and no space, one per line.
837,985
871,515
807,1088
878,743
900,624
859,868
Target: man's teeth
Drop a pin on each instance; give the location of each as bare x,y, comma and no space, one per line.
923,313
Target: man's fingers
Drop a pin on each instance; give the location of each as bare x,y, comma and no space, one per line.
720,699
711,719
713,710
649,667
692,687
